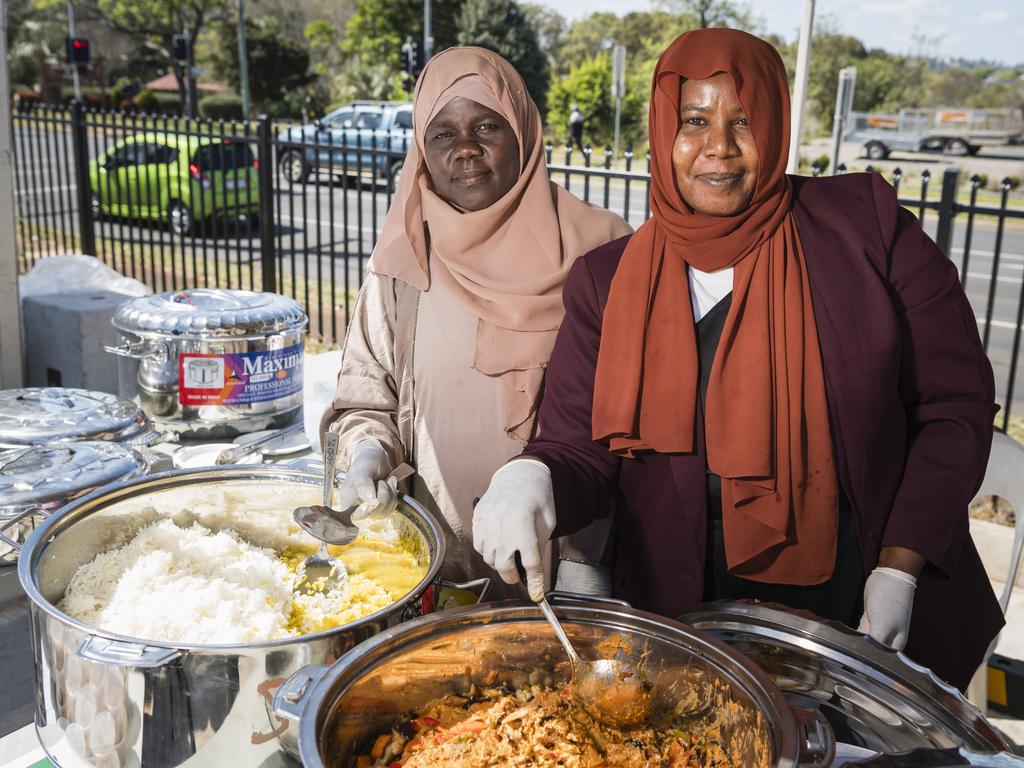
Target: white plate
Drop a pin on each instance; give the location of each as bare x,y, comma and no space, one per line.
286,444
205,455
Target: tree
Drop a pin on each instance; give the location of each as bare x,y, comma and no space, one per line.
378,28
712,13
590,86
153,23
551,28
500,26
278,66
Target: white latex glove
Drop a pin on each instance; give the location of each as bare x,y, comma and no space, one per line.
365,483
888,602
517,514
584,578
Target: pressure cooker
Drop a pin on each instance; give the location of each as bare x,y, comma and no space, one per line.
210,362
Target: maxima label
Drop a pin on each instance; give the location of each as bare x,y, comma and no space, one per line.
239,378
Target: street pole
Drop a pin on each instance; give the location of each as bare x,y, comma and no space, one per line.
243,60
74,67
11,371
428,34
844,103
803,58
618,89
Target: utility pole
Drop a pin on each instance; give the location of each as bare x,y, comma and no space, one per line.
803,58
428,35
72,33
11,371
243,60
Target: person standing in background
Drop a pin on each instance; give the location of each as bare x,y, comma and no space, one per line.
576,127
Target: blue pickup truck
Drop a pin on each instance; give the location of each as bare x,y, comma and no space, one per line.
367,139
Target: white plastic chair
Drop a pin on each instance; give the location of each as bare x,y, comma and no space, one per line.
1004,478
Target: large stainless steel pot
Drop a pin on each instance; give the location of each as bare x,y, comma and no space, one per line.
105,699
376,685
210,362
876,699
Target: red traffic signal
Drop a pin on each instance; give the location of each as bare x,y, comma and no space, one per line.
78,51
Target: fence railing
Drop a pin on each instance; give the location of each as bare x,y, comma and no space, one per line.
258,206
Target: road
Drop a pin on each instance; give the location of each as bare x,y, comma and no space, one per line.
325,230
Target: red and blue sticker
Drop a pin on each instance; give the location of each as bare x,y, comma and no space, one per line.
239,378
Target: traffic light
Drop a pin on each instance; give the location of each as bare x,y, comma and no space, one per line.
179,47
77,51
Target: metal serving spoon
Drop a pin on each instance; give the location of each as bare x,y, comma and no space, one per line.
611,691
321,571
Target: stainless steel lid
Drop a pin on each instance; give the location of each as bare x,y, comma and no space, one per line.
874,698
59,472
210,312
38,415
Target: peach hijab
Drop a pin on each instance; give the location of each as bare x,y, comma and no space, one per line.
766,418
506,263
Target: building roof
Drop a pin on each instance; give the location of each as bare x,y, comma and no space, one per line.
169,83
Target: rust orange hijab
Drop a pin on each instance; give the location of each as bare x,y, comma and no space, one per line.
766,417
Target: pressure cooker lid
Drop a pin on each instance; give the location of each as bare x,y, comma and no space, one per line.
873,697
38,415
63,471
206,312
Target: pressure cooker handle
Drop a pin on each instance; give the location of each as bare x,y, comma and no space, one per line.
11,522
123,654
290,696
139,350
817,741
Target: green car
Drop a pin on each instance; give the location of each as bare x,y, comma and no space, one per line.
181,180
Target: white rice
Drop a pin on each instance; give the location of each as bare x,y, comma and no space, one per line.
185,585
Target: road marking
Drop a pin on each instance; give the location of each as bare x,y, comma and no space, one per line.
998,324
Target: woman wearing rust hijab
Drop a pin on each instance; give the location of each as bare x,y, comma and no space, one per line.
445,355
780,376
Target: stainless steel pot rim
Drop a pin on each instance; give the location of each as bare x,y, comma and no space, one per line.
35,545
620,617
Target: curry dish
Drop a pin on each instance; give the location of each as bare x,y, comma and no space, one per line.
540,727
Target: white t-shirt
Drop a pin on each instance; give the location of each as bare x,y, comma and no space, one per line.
707,289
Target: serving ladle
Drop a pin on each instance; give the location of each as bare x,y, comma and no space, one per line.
320,571
611,691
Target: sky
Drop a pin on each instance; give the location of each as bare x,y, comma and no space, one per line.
970,29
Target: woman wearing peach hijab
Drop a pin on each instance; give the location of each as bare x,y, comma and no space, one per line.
781,376
445,355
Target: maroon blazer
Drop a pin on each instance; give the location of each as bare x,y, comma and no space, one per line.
911,401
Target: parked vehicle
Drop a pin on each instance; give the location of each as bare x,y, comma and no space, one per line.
951,131
365,139
181,180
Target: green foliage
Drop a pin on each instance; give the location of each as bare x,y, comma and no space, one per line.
1013,182
590,86
92,96
378,28
822,161
221,107
122,92
367,79
278,66
157,102
324,46
500,26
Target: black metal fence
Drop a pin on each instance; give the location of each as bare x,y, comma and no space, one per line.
256,206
